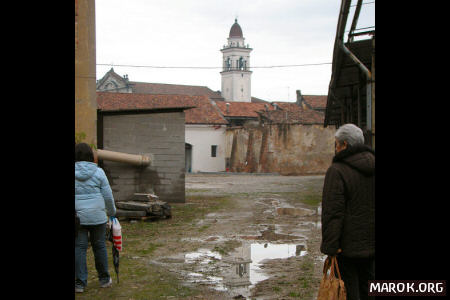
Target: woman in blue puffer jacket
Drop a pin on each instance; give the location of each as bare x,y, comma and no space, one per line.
94,201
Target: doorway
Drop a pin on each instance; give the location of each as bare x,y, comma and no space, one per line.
188,158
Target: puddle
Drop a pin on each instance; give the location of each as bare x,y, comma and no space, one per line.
261,252
272,234
211,239
204,256
307,226
238,272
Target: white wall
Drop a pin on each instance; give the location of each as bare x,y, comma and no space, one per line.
201,137
233,82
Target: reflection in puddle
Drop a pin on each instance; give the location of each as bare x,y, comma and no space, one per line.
240,270
261,252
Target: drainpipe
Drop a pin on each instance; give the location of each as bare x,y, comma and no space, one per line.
368,86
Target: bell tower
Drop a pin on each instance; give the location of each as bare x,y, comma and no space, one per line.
236,74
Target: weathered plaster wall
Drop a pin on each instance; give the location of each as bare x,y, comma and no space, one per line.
287,149
160,135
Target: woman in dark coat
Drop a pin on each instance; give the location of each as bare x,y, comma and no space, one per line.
348,211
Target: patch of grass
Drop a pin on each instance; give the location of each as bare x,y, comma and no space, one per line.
306,281
227,247
311,199
203,228
138,280
197,190
276,289
150,248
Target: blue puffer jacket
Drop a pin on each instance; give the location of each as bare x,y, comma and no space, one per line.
93,195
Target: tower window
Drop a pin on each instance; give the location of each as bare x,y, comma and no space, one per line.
213,150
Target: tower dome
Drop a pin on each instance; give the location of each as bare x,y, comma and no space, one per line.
236,30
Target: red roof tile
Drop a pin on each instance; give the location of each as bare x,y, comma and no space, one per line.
242,109
202,113
290,106
293,114
257,100
173,89
316,101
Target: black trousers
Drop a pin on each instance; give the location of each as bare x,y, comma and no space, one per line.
356,272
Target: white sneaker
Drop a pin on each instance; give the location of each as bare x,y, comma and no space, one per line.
108,284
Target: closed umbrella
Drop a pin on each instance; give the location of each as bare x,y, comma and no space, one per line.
115,254
115,251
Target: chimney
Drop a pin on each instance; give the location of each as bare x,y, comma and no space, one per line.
299,97
266,107
301,100
228,108
275,105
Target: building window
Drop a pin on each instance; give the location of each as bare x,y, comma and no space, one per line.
213,150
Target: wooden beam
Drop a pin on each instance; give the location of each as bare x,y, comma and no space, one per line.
130,213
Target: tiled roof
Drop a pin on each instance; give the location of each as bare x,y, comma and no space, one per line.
241,109
316,101
290,106
257,100
202,113
173,89
293,114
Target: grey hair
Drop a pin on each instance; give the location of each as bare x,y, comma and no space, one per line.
350,133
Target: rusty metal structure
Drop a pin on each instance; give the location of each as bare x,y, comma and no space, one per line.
351,92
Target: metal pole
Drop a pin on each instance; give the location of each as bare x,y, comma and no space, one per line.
368,87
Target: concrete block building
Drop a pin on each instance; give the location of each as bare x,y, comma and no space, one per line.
146,125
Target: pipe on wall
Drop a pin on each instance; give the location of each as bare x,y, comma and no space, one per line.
134,159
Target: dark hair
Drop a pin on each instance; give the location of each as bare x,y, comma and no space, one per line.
83,152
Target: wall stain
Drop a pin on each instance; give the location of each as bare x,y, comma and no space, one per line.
287,149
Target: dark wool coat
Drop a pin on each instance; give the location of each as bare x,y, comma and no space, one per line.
348,204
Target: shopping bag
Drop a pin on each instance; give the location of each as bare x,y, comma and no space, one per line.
116,230
331,287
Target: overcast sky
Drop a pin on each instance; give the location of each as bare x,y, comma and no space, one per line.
190,33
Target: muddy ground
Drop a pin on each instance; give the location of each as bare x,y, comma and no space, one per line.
236,237
263,245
